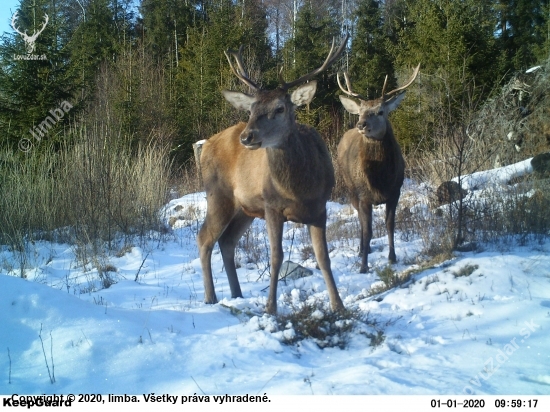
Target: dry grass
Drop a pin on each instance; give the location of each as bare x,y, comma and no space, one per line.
87,194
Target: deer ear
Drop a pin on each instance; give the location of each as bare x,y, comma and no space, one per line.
349,104
239,100
304,94
392,103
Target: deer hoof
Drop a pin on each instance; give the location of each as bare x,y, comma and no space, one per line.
210,301
271,309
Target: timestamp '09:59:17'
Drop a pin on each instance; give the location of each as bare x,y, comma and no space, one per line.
516,403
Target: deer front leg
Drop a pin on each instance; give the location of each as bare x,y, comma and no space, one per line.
365,218
274,221
390,227
319,242
205,241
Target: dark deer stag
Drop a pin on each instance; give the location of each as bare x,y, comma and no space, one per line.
371,161
272,168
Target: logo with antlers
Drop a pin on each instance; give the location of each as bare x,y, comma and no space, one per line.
29,40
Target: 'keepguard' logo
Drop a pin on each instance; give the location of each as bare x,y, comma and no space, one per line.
29,40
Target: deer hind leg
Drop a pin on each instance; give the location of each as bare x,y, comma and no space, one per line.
390,227
365,219
319,242
228,242
215,222
274,221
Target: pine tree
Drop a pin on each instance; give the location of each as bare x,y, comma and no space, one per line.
455,44
93,43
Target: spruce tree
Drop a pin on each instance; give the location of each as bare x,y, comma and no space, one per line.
309,48
522,30
455,44
370,59
164,27
203,70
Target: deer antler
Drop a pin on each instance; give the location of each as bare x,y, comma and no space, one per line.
331,58
348,85
409,82
240,72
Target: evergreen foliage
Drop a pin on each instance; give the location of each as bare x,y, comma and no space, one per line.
370,59
455,44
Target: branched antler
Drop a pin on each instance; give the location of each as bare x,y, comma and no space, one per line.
348,85
240,72
331,58
407,84
385,95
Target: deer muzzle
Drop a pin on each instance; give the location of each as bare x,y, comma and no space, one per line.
363,126
248,140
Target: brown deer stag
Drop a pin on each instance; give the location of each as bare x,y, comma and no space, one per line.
272,168
371,161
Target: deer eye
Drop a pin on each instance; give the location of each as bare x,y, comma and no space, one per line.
280,109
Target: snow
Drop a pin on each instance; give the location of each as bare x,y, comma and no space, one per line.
533,69
499,176
486,332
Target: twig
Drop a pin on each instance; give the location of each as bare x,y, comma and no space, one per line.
86,338
9,374
52,380
140,266
197,385
265,384
51,356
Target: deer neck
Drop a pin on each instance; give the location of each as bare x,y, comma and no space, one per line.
292,166
378,150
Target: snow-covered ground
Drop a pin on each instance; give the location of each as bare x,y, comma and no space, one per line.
448,331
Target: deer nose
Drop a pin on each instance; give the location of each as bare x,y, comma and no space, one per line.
247,137
361,124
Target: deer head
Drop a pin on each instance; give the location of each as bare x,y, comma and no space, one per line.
373,114
272,118
29,40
